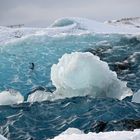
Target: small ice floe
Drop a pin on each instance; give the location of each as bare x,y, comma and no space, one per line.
39,96
136,97
10,97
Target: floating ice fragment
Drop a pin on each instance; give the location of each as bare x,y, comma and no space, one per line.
136,97
10,97
39,96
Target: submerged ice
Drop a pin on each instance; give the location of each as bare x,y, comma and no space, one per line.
81,74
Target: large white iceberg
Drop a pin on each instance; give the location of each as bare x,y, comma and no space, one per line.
80,74
10,97
75,134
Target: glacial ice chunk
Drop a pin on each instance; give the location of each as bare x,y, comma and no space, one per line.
39,96
136,97
80,74
10,97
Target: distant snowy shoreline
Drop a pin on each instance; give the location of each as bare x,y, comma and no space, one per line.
72,25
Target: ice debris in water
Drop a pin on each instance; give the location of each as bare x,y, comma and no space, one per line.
10,97
39,96
113,135
80,74
136,97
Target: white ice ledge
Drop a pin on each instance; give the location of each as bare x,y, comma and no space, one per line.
95,26
75,134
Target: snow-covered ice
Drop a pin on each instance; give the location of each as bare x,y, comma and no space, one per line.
69,25
129,22
95,26
75,134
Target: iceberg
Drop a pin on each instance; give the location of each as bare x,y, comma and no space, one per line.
10,97
81,74
71,134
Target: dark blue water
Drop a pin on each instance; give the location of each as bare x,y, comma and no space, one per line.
47,119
